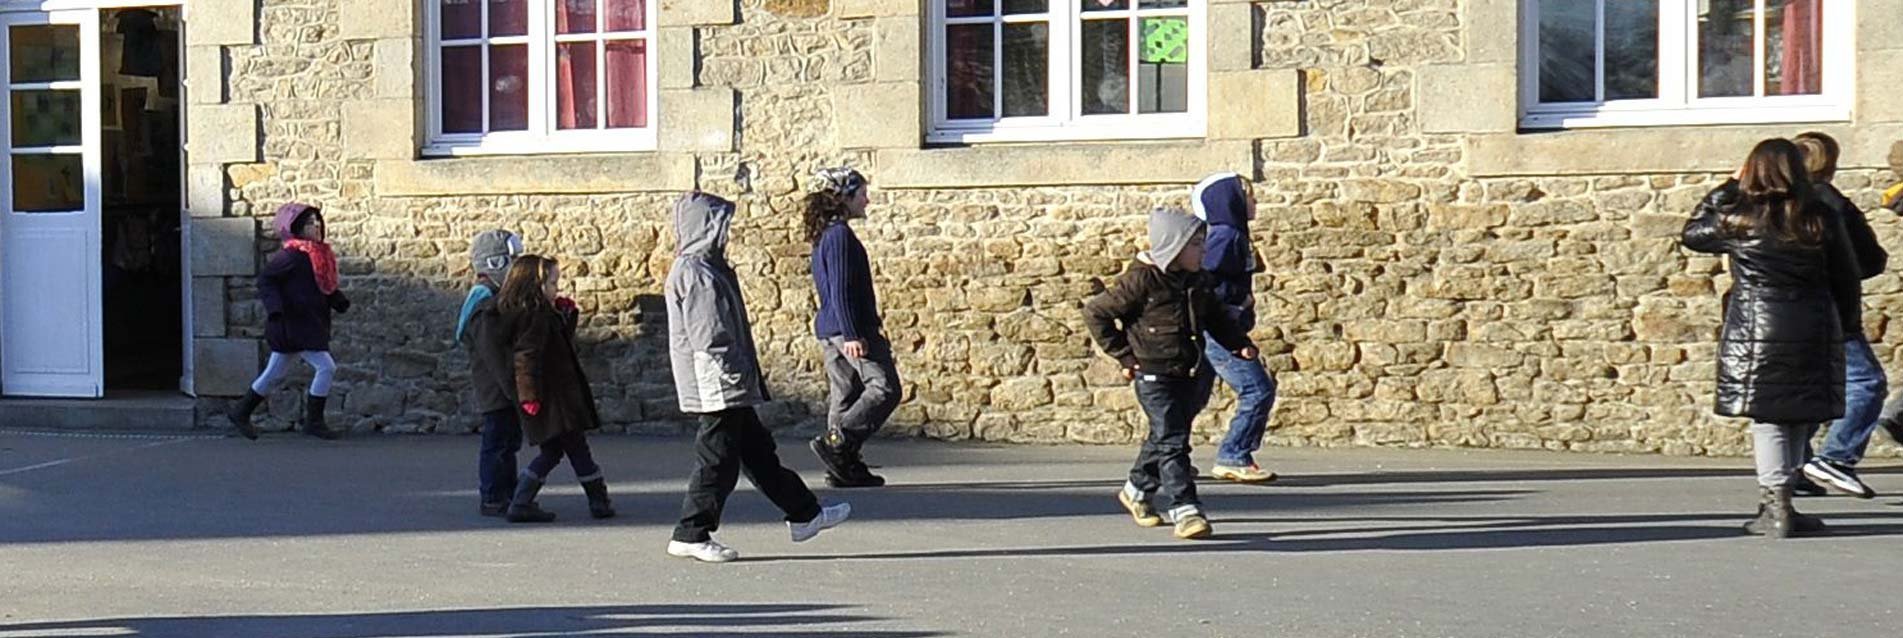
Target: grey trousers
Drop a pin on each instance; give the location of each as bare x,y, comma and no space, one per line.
1778,450
865,391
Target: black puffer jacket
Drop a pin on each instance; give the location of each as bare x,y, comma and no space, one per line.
1781,355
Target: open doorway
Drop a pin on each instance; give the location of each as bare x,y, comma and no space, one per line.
141,268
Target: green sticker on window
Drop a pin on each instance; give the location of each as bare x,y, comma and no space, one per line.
1166,40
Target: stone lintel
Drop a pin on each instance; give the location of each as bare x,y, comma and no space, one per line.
1661,150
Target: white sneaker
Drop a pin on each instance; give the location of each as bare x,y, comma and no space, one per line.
829,517
709,552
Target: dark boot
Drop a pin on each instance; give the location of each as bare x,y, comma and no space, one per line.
522,508
314,418
1774,513
858,474
598,504
240,414
1802,524
838,463
1894,428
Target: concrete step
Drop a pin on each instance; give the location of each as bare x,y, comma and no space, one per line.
118,412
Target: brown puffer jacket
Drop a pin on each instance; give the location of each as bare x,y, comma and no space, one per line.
1153,321
547,371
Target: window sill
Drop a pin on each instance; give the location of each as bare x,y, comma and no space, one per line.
1558,119
568,144
558,174
1080,164
1653,150
1127,130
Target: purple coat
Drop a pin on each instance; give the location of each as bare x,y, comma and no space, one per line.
297,314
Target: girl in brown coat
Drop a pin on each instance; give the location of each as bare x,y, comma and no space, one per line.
557,407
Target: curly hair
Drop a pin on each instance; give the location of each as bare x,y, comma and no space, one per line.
821,209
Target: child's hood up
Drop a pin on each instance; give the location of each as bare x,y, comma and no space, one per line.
287,217
1221,201
701,223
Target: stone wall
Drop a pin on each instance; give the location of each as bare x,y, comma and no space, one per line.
1407,302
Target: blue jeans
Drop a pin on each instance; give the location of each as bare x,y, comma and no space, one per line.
1864,390
495,465
1255,399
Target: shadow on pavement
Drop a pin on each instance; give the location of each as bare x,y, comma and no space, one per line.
707,621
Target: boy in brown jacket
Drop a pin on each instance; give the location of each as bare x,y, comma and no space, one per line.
1152,320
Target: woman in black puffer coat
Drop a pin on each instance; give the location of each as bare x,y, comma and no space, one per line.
1781,356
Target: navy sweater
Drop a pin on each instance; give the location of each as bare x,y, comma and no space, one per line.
848,307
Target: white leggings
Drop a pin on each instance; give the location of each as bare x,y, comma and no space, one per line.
280,365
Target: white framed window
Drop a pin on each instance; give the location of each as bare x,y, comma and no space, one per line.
541,76
1592,63
1046,70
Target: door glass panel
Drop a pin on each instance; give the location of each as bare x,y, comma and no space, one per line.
48,184
45,118
44,53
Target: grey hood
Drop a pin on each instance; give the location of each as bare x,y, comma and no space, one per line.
701,225
1171,229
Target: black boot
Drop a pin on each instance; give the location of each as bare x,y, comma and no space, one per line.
838,463
240,414
598,504
522,508
1774,513
1894,428
858,474
314,418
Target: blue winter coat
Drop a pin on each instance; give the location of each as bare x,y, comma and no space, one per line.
1228,256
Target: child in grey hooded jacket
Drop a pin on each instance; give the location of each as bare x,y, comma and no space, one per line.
717,377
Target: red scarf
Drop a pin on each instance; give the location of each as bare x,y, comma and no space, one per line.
323,262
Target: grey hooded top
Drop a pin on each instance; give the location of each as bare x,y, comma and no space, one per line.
710,341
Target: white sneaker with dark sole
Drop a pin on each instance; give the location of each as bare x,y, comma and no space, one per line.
708,552
829,517
1841,478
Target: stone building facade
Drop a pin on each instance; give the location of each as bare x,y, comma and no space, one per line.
1437,273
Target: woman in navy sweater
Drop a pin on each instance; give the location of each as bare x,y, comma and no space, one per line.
858,358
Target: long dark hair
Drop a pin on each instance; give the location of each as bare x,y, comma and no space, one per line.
820,210
1777,197
522,288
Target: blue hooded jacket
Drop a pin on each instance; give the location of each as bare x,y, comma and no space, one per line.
1228,256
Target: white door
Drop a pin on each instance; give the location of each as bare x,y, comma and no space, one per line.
49,209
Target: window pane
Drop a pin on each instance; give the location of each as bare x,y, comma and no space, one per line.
1163,68
1794,48
1104,5
968,8
45,118
575,85
48,184
508,18
1724,48
574,16
628,84
1016,7
1106,66
968,71
626,15
460,19
1632,50
1566,51
1027,55
44,53
462,89
509,88
1163,4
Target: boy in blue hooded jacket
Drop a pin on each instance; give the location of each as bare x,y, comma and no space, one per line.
1226,202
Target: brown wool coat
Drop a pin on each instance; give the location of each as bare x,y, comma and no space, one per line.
542,349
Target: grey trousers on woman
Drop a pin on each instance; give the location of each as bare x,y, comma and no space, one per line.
1778,449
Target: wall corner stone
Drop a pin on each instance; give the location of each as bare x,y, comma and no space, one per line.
698,120
379,129
378,19
223,134
697,12
1255,104
221,22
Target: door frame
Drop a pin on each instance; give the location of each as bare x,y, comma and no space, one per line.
89,13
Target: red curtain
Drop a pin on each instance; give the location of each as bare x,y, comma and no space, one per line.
627,68
1803,48
569,93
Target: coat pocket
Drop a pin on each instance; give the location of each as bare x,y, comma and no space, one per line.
714,378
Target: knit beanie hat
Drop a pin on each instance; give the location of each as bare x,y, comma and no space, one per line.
492,252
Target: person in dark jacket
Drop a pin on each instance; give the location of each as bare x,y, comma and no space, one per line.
860,370
1865,385
717,377
557,405
1153,320
491,378
299,290
1781,352
1226,202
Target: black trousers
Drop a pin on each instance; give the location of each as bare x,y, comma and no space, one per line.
1172,404
731,443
